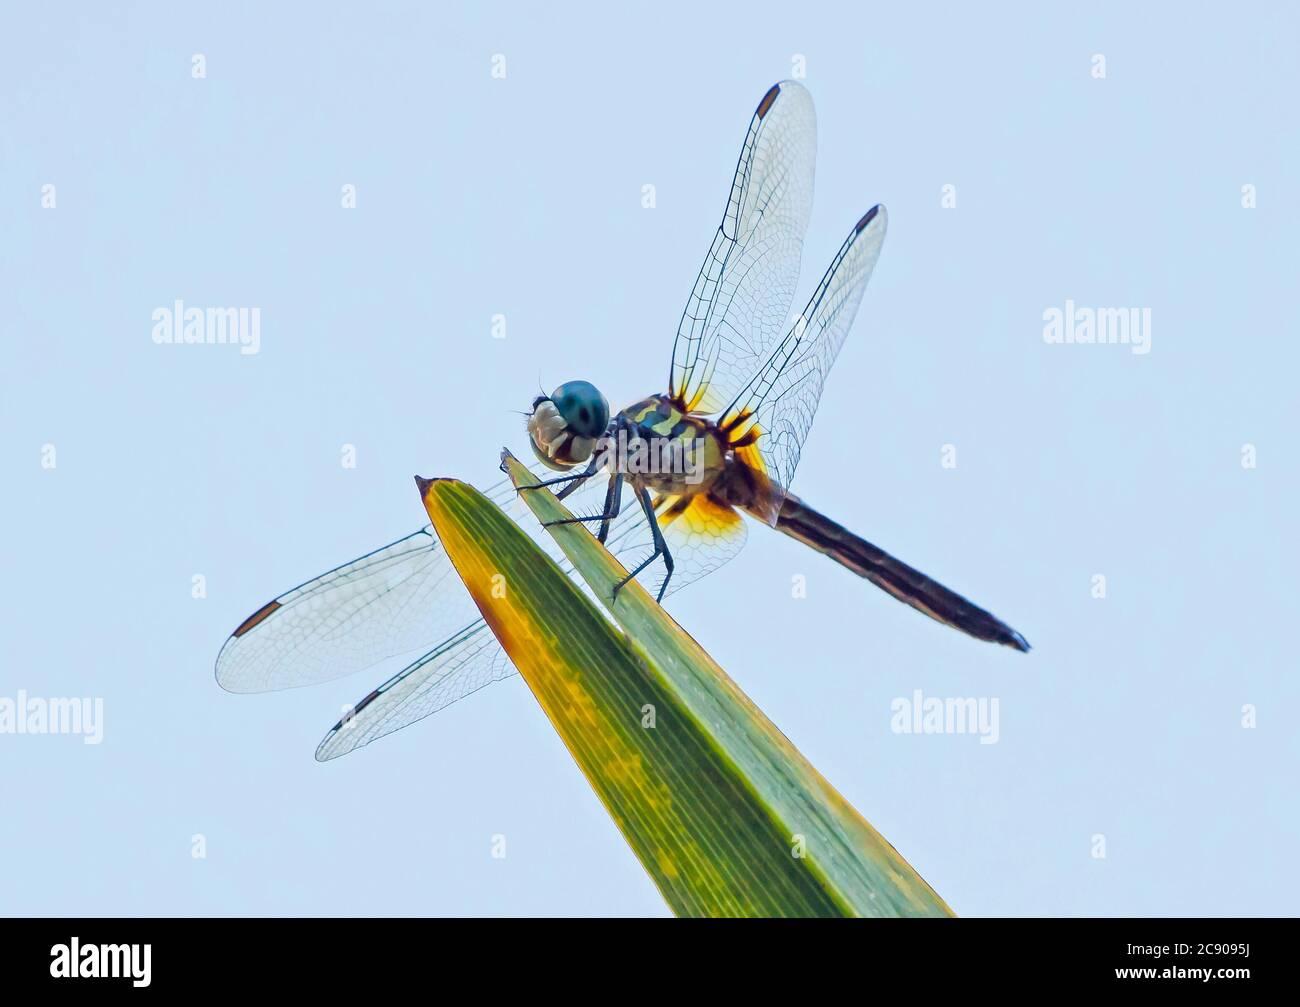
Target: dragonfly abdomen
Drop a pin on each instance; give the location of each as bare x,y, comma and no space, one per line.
905,583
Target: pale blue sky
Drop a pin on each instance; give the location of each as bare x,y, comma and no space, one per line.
522,196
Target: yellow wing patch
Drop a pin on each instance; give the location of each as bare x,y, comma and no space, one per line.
699,520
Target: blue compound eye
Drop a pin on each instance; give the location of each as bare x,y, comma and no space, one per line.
583,407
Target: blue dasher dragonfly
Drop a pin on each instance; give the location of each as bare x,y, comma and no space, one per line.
744,382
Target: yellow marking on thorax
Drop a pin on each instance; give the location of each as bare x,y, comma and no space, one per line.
658,417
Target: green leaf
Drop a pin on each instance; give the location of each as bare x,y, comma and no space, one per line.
723,812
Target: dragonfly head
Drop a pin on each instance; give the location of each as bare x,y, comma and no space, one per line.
565,425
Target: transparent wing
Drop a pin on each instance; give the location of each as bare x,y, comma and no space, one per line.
780,400
387,602
740,303
702,535
461,665
400,598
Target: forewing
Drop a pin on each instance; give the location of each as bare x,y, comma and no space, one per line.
397,599
740,303
387,602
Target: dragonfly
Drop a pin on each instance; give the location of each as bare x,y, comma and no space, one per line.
745,378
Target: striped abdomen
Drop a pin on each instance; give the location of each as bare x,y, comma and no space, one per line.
909,585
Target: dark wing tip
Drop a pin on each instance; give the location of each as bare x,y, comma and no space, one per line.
347,720
867,218
765,105
255,618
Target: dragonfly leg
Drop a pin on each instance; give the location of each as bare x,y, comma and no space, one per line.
574,480
661,548
613,499
577,481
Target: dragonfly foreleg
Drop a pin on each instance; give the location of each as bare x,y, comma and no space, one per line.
574,480
613,500
661,548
